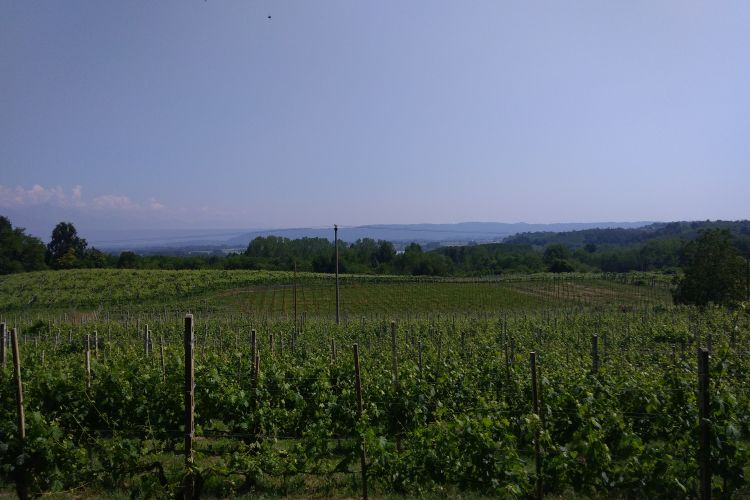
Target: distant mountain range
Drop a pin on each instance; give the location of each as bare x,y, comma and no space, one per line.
460,232
430,234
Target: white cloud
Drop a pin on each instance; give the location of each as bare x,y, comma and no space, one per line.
155,205
77,199
113,201
36,195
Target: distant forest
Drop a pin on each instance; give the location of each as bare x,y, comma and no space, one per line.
657,247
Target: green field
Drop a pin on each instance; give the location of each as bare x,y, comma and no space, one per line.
272,294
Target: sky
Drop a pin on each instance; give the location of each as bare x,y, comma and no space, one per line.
256,114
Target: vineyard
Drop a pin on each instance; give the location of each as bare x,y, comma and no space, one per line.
452,399
271,294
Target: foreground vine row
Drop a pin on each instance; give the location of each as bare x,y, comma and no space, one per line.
455,415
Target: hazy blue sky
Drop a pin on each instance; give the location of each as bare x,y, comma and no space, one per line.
209,114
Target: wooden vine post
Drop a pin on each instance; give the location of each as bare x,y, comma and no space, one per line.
2,345
336,243
146,340
21,487
189,406
294,294
394,356
257,368
704,411
253,354
535,409
594,354
507,364
256,359
419,356
163,367
87,362
394,368
362,449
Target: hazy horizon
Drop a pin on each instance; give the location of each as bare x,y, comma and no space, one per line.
460,233
226,115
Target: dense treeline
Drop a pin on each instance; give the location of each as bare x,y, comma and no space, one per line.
20,252
632,237
664,255
273,253
658,247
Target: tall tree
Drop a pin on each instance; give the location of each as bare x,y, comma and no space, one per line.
714,270
66,248
19,252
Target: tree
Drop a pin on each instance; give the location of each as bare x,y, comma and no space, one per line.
95,258
660,254
19,252
557,256
68,260
714,270
128,260
385,253
66,248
